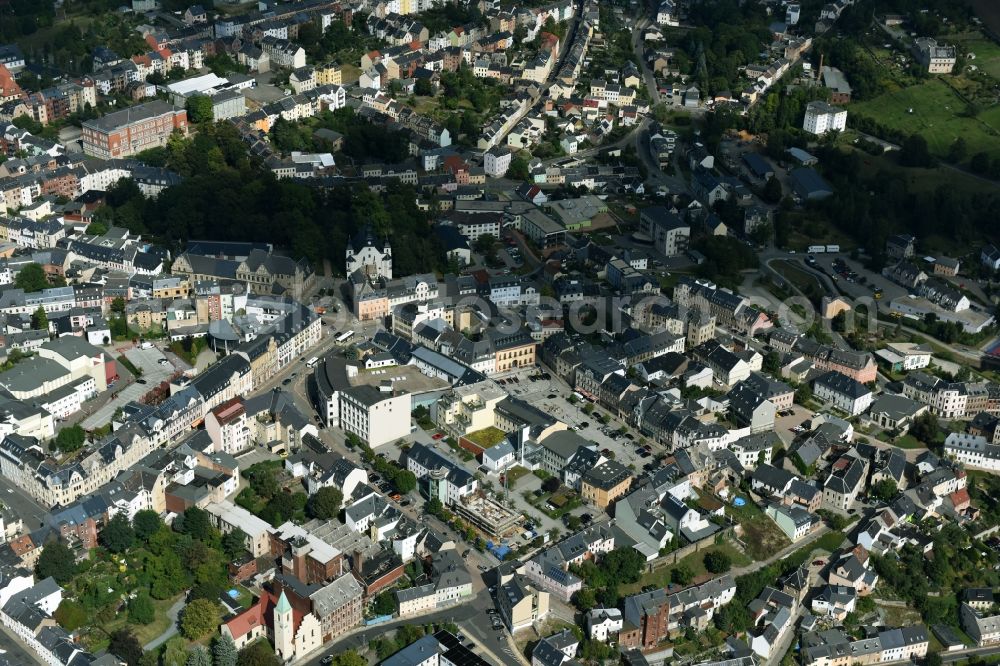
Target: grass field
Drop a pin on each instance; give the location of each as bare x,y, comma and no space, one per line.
987,54
936,115
695,562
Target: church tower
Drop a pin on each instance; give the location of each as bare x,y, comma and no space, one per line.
284,631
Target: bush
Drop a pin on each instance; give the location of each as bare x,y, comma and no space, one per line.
717,562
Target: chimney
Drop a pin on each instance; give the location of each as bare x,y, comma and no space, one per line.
358,560
819,72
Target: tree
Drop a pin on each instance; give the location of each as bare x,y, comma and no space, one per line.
200,618
224,651
772,190
717,562
681,575
915,153
957,150
980,163
97,229
141,610
349,658
258,653
175,652
423,87
118,305
199,108
117,536
234,543
584,600
196,523
146,523
71,615
884,490
199,657
384,604
925,428
125,646
405,481
325,503
31,278
772,362
57,561
518,169
40,320
71,439
803,394
551,484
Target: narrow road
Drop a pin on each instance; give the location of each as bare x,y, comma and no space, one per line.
173,613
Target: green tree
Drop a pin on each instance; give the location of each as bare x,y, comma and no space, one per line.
71,439
40,320
772,362
772,190
423,88
141,610
681,575
224,651
518,169
196,524
405,481
717,562
915,153
258,653
31,278
146,523
884,490
71,615
234,543
325,503
584,600
57,561
957,150
117,536
199,108
384,604
175,652
980,163
97,228
925,428
200,618
198,657
125,646
349,658
118,305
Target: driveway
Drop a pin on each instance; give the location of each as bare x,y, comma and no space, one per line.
173,613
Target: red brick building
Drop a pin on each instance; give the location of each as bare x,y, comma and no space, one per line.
132,130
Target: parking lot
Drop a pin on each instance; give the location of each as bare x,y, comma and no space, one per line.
153,372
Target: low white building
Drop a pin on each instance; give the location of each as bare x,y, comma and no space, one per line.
973,451
604,623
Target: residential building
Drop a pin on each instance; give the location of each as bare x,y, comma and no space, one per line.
822,117
132,130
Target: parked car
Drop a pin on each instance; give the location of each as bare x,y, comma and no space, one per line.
438,435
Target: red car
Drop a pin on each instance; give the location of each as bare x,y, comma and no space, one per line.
438,435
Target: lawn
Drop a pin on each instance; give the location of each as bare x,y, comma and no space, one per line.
909,442
987,53
660,577
487,437
933,110
515,473
146,632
